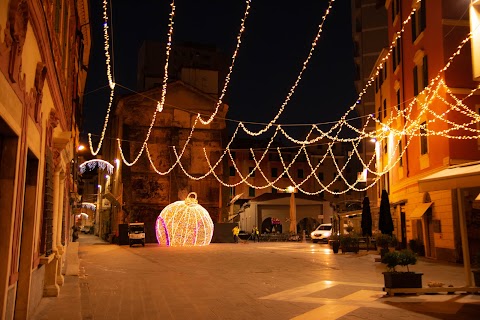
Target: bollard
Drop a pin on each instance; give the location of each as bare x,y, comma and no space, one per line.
303,237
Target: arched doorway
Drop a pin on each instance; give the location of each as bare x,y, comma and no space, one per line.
308,224
271,225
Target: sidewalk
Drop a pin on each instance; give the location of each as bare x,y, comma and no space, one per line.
68,305
289,281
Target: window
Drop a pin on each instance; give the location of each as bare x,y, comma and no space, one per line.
415,81
250,169
384,108
274,190
251,192
425,72
320,176
250,156
420,75
234,155
300,173
400,150
399,100
379,114
397,54
423,138
336,195
419,21
395,9
232,192
274,173
232,171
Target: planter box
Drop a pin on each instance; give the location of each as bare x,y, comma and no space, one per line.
335,246
476,277
403,279
354,249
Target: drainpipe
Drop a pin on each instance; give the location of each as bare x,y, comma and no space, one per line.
464,237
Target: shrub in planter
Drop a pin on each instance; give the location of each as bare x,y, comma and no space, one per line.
402,258
334,241
383,240
397,279
393,241
349,243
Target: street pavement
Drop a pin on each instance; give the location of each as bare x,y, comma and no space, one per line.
266,280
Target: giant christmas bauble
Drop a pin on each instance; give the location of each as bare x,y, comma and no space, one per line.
184,223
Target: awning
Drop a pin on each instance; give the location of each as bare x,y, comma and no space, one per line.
110,197
455,177
420,210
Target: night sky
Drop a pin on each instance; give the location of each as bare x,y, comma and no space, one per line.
276,41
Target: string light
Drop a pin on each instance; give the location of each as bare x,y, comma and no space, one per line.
386,130
99,163
184,223
89,205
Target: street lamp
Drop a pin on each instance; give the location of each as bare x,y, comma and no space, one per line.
293,210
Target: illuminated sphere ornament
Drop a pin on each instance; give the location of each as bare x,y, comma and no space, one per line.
184,223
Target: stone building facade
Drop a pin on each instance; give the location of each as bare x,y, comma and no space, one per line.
44,46
139,191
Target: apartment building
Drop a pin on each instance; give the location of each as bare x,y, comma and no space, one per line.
425,102
44,55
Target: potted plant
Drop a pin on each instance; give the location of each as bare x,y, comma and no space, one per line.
334,241
401,279
393,244
383,242
349,243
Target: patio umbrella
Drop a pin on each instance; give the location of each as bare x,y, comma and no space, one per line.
385,223
366,218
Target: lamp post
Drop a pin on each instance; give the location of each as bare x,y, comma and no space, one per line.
293,210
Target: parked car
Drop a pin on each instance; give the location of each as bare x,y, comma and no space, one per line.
323,232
